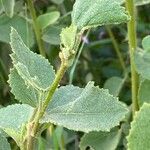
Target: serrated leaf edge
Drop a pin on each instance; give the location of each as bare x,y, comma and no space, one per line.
40,56
87,130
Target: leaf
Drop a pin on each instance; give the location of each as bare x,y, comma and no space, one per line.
1,7
24,94
138,138
142,62
87,14
8,6
142,2
4,145
89,109
58,2
144,92
52,35
101,140
68,38
23,27
13,118
33,68
146,43
47,19
114,85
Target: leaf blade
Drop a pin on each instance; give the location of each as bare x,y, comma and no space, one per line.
33,68
90,111
87,14
140,130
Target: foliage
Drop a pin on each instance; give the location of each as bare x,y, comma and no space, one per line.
82,41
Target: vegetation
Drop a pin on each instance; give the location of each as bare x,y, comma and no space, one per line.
78,75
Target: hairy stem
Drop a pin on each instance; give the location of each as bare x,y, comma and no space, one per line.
36,28
34,124
132,47
117,49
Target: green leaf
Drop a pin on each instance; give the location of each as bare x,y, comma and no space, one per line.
1,7
8,6
47,19
101,140
142,2
33,68
144,92
89,109
142,62
23,27
22,92
146,43
52,35
87,14
58,2
13,118
68,38
138,138
114,85
4,145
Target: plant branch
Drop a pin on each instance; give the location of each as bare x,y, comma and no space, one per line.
132,47
116,47
36,28
34,124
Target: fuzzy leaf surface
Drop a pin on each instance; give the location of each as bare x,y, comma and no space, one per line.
13,118
144,94
33,68
139,138
142,62
101,140
4,145
146,43
24,94
87,14
89,109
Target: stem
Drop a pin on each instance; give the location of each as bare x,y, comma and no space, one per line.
36,28
34,124
132,47
116,47
55,84
76,60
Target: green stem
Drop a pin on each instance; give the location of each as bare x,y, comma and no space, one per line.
34,124
132,47
36,28
76,60
116,47
55,84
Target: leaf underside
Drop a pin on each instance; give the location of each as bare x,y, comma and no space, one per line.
33,68
4,145
23,93
87,14
142,62
89,109
139,138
